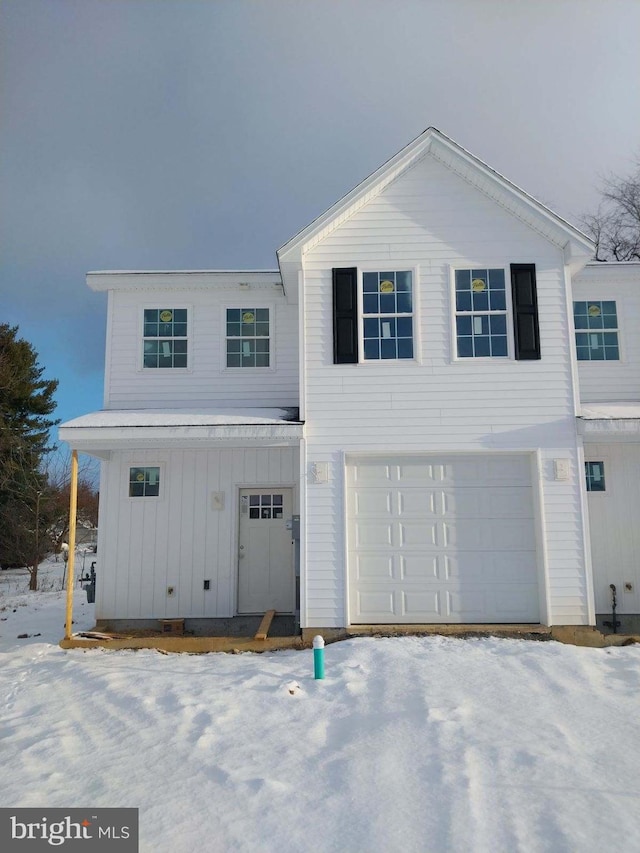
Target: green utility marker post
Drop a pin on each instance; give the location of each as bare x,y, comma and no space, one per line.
318,657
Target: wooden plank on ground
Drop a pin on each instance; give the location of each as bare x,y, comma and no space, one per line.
263,630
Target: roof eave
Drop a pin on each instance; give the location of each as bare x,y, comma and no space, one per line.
577,246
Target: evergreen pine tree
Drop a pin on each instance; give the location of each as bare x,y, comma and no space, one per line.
26,401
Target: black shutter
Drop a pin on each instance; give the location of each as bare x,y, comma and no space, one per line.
525,311
345,316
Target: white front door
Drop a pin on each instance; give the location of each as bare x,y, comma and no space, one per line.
265,553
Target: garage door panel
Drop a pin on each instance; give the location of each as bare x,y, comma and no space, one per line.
375,605
420,603
418,534
420,503
422,567
490,534
466,604
419,472
368,502
442,539
377,567
516,600
374,533
499,503
371,473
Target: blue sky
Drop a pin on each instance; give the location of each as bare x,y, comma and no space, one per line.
202,134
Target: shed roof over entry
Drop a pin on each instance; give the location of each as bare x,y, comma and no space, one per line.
100,432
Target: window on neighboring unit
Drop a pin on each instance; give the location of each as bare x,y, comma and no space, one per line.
387,315
595,476
144,482
481,313
165,337
596,325
248,337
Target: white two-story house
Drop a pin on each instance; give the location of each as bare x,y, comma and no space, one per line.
428,414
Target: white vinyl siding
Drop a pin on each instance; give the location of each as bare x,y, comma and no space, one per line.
615,380
614,529
184,538
207,382
431,220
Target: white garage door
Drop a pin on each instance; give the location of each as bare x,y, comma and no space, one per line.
441,539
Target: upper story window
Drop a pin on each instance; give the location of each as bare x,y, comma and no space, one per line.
596,325
387,315
165,337
481,313
248,337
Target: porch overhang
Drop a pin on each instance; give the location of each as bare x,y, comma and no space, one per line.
100,433
604,422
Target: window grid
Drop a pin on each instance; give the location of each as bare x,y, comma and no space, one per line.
248,339
165,337
594,472
481,313
387,308
144,482
596,325
265,506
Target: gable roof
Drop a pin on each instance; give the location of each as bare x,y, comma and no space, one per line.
578,248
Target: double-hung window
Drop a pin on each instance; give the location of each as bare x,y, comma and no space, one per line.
248,337
387,315
165,337
596,324
481,313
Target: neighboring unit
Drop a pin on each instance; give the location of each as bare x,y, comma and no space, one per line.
384,430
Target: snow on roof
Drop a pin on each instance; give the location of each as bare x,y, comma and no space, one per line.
185,272
182,417
609,411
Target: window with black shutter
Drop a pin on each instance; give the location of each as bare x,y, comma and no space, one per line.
526,331
345,316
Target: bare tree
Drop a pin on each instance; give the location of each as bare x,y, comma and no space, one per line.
615,227
58,471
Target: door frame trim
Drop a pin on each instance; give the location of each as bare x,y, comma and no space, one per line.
235,532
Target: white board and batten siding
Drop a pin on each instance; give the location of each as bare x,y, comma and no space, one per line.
613,523
613,381
184,536
429,220
206,382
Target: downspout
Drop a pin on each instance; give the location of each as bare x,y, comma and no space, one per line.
73,505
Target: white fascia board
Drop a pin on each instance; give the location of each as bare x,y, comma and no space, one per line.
566,235
609,421
609,430
121,438
604,272
269,280
355,198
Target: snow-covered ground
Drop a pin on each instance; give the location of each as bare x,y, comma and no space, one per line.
409,744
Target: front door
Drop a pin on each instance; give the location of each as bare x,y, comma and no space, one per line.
265,554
